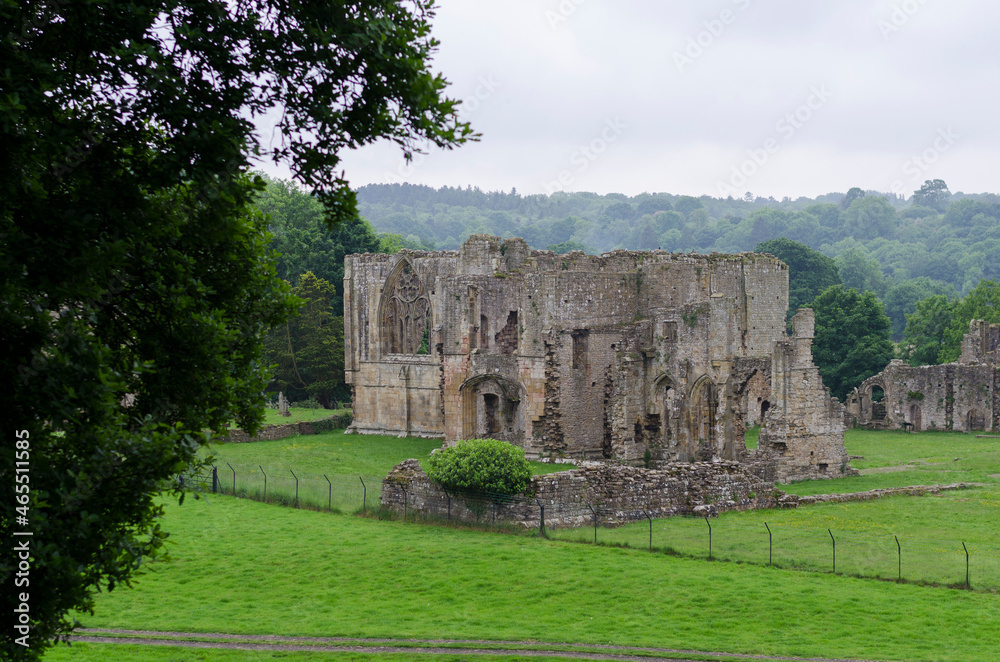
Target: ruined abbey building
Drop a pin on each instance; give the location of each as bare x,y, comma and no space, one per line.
962,396
640,357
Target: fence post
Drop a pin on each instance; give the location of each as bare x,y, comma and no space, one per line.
234,477
709,538
899,556
405,505
966,565
329,498
595,521
449,506
834,550
215,479
650,518
265,482
364,498
541,519
770,545
494,513
296,487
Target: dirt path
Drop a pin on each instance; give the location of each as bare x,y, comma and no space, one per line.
409,646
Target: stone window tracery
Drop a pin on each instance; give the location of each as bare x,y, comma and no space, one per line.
406,313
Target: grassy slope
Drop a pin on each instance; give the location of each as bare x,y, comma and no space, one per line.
244,567
338,453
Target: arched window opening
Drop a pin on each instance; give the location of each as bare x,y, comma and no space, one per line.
405,313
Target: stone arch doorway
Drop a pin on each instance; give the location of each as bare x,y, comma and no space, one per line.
975,420
873,402
702,419
491,408
916,418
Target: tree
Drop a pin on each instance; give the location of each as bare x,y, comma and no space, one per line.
852,194
687,204
982,303
308,349
861,272
809,272
925,327
852,338
869,217
933,193
304,242
901,300
135,282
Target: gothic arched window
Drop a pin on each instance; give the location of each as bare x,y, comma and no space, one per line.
405,313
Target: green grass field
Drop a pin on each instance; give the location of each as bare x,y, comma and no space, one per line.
243,567
898,459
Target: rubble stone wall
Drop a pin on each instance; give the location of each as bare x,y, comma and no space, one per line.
962,396
804,428
617,493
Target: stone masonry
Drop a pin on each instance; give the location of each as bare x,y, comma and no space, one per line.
613,493
962,396
627,356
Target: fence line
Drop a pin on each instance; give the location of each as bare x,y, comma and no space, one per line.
955,563
284,486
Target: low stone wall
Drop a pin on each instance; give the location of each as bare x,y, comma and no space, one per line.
794,501
615,494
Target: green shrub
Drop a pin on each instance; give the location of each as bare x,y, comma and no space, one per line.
481,465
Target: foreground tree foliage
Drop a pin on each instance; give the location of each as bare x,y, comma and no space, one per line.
852,338
485,468
135,278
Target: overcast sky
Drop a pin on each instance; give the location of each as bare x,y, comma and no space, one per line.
777,97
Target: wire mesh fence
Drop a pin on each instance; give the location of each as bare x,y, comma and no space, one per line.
334,492
886,556
784,545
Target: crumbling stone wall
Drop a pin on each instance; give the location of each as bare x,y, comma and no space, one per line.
962,396
627,356
617,493
804,427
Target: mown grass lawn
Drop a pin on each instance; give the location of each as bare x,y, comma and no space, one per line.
338,453
243,567
899,459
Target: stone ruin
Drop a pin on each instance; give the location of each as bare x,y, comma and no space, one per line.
962,396
639,358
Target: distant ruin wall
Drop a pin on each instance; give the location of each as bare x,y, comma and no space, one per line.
962,396
617,493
